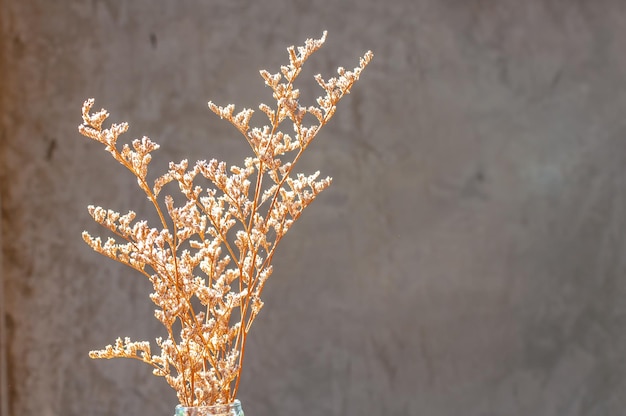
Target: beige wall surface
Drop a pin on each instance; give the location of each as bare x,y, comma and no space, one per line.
469,258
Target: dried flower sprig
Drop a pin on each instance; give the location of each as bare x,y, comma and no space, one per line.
207,274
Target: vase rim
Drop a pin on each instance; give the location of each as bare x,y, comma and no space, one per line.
234,403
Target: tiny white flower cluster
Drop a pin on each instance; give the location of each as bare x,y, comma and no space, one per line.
217,248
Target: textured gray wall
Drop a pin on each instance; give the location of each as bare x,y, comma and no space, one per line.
469,258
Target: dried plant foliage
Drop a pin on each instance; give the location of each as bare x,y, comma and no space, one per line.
218,246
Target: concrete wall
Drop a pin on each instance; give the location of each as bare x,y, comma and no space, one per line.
468,259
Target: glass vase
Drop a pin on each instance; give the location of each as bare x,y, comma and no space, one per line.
231,409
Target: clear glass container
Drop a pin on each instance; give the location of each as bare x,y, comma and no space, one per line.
231,409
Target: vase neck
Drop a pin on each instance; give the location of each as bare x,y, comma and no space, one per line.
231,409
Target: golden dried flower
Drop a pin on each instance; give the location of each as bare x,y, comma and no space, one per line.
216,249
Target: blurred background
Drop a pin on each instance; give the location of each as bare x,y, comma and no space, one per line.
469,258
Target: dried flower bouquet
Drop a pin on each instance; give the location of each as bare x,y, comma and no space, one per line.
209,259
